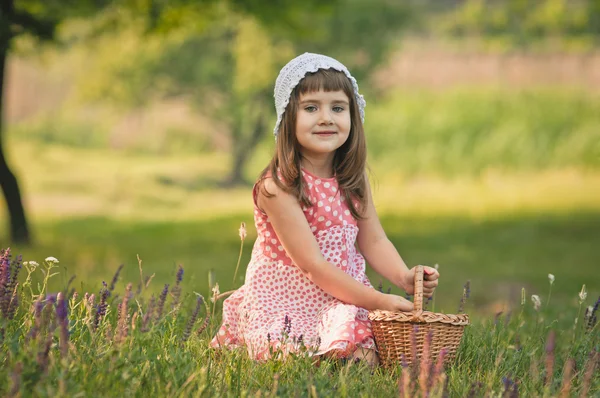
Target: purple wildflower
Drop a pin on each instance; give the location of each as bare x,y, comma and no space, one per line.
38,306
63,322
176,291
511,388
9,272
188,328
205,323
161,302
179,276
101,308
465,296
287,325
404,383
115,279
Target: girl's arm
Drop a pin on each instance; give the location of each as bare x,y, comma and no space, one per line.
294,233
381,254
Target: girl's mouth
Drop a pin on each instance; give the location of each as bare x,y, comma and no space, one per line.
325,133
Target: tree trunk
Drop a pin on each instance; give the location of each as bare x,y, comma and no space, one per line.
242,150
19,232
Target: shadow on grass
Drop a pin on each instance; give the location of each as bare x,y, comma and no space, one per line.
499,256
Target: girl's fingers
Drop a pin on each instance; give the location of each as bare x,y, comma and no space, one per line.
430,273
430,284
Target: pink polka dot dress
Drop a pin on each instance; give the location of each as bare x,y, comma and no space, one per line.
280,308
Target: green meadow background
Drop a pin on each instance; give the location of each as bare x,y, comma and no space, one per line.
483,140
136,131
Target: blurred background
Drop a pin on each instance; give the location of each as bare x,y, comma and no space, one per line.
138,128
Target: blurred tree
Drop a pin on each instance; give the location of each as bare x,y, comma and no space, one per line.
37,18
229,68
523,23
41,18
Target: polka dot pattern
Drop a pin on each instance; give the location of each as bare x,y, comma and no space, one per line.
278,306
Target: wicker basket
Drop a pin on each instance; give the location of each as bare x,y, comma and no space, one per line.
396,332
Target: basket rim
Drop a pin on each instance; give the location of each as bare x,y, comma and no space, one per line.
419,317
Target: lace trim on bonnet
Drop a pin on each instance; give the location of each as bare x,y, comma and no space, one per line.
295,70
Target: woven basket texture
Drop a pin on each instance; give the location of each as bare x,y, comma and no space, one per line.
402,336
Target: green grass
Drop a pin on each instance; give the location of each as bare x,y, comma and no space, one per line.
499,256
111,359
470,130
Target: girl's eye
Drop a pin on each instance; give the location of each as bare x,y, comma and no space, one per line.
310,108
338,109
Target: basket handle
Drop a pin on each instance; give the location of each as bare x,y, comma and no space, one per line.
418,298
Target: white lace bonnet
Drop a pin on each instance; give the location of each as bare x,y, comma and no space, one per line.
295,70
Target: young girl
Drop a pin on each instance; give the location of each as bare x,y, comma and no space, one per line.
306,285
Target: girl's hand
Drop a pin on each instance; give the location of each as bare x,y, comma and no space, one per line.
391,302
430,281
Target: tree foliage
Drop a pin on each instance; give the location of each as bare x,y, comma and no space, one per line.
42,19
228,65
523,23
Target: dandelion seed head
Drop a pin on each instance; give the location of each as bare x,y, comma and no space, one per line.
551,278
242,231
582,294
537,303
215,293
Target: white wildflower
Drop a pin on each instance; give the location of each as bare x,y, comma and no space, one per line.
537,303
34,263
551,278
437,267
242,231
51,260
215,292
582,294
25,262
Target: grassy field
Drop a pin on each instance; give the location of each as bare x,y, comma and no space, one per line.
455,189
121,343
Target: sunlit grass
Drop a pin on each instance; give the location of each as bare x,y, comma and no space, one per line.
122,345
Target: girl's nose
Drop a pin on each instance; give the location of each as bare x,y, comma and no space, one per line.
326,117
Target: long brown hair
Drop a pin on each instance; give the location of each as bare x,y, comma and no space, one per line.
349,161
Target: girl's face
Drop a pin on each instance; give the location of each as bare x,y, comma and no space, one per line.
322,123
